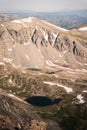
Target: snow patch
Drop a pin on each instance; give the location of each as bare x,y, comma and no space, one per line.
2,63
60,55
26,43
83,29
80,98
84,91
66,88
10,81
44,34
64,52
7,59
48,62
46,37
50,83
28,20
60,85
2,25
10,49
11,95
55,36
27,57
16,21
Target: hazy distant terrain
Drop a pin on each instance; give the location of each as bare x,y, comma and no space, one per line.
68,20
7,17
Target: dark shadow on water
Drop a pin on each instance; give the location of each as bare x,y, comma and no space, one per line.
41,101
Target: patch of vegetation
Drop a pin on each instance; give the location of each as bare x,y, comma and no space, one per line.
68,115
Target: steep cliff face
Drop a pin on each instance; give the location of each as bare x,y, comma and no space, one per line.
24,41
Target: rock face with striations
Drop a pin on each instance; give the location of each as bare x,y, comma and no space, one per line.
23,41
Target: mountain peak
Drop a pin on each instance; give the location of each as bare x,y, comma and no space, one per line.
34,20
23,41
23,20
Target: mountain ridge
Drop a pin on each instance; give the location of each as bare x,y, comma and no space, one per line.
38,35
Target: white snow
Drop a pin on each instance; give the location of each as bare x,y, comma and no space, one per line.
2,25
10,49
49,83
7,59
64,52
16,21
60,55
2,63
28,20
48,62
10,81
60,85
66,88
84,91
26,43
46,37
44,33
55,36
27,57
80,98
83,29
11,95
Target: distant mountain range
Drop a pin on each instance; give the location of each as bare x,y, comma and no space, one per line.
65,19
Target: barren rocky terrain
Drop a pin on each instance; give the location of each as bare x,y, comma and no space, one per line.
43,76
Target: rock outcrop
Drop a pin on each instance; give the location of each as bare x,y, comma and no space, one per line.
35,125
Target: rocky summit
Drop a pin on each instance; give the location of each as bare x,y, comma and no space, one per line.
43,76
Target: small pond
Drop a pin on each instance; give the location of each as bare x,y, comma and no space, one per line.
34,69
42,101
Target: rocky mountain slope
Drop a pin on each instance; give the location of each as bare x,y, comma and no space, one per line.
43,76
22,41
